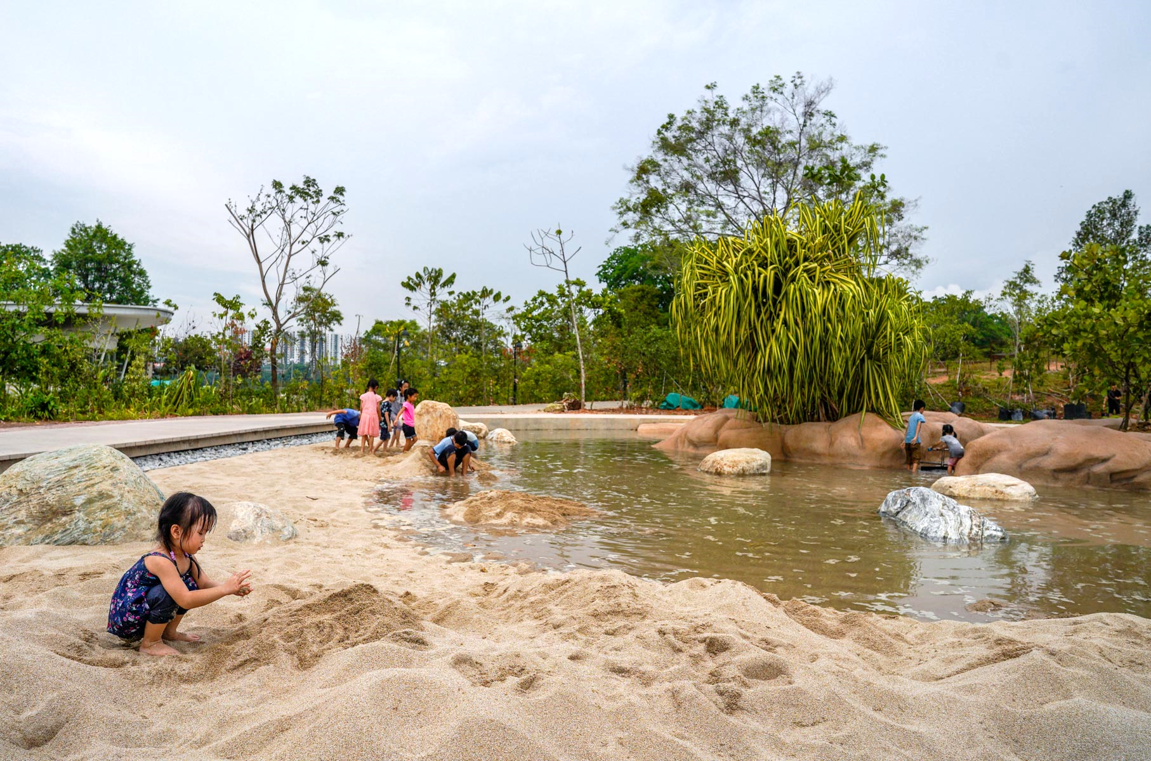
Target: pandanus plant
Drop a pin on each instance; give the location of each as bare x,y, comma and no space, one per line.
798,320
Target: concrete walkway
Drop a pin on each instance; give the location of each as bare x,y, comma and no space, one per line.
144,437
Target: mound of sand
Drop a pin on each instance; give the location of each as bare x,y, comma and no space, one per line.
354,646
517,509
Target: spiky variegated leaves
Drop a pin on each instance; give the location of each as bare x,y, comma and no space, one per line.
797,320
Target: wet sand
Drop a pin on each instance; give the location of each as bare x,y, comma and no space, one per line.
355,645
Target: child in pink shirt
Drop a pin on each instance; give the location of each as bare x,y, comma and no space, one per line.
408,417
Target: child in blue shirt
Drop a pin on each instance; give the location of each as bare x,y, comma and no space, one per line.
347,421
913,439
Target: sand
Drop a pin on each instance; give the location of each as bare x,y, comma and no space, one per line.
517,509
353,645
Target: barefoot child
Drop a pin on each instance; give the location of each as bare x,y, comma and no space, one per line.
453,454
369,416
408,417
347,421
388,420
155,593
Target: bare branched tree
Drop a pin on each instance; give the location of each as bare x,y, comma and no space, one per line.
549,249
291,233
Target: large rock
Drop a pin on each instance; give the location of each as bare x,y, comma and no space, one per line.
501,436
479,429
1064,453
433,419
87,494
737,462
939,518
256,522
986,486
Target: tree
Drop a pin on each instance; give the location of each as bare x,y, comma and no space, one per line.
644,264
1018,298
104,265
549,249
1112,223
719,167
795,317
292,234
1103,320
428,288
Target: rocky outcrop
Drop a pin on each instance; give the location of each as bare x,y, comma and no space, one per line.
737,462
1063,453
433,419
88,494
479,429
256,522
517,509
939,518
986,486
501,436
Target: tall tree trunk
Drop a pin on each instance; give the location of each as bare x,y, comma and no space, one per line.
1126,399
275,344
579,351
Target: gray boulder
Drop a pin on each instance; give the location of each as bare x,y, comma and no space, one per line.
939,518
87,494
255,522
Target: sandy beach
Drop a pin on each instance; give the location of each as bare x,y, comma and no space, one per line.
356,645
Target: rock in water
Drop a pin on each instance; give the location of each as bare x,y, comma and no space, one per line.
737,462
255,522
986,486
87,494
939,518
501,436
433,419
479,429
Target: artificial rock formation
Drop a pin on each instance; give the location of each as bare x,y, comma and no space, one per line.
1063,453
501,436
87,494
938,518
986,486
256,522
517,509
1042,451
744,461
479,429
433,419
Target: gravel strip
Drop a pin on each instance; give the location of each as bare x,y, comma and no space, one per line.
189,456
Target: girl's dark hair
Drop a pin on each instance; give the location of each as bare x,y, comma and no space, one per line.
948,429
373,383
410,392
185,510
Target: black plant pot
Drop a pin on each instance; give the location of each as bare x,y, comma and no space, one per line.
957,408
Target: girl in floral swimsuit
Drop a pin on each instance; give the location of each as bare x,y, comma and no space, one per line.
155,593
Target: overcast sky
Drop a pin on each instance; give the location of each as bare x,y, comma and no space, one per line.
458,127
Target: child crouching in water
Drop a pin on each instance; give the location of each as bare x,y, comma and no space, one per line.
155,593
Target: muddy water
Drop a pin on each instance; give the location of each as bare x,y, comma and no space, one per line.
804,531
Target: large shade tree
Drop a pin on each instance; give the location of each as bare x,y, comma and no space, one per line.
104,266
796,318
722,165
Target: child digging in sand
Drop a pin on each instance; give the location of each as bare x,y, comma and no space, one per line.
155,593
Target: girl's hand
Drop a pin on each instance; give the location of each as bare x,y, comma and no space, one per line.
239,584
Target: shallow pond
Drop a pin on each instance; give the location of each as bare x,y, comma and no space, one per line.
805,531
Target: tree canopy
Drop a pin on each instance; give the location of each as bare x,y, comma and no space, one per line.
721,166
104,265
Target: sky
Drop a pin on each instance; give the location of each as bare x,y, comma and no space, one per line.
459,127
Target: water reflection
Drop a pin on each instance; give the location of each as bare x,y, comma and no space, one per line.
805,531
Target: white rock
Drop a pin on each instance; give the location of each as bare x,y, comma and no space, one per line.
737,462
501,436
479,429
255,522
986,486
939,518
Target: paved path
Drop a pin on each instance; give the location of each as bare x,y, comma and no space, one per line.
140,437
143,437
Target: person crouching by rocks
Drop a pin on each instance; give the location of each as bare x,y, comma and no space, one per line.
453,454
347,422
154,594
954,449
913,441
